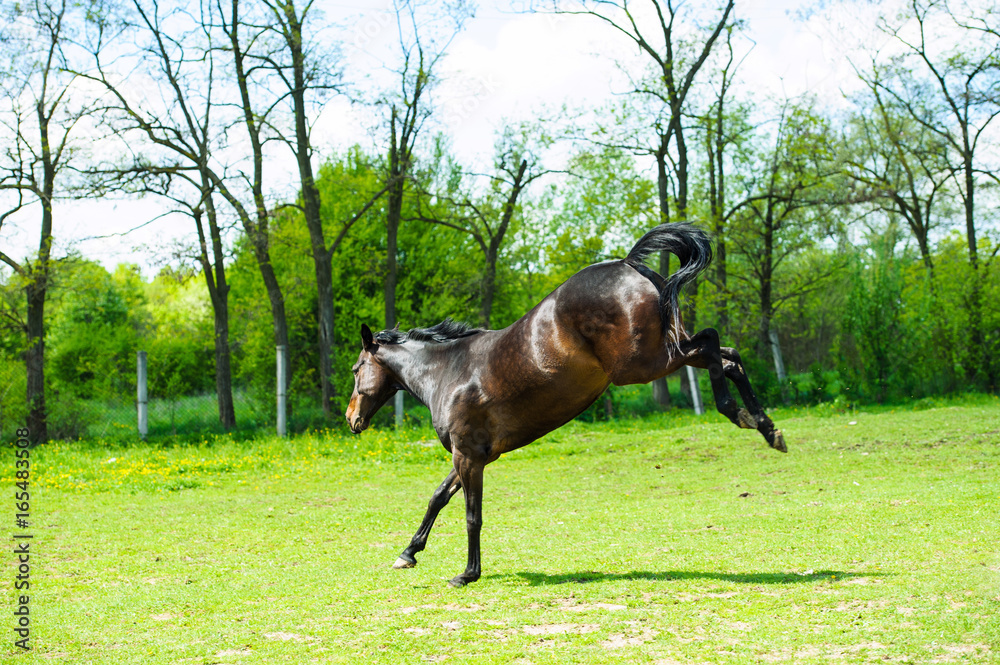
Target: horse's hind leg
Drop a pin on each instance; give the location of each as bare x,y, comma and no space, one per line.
761,422
442,495
703,350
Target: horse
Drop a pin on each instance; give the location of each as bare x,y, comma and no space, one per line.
493,391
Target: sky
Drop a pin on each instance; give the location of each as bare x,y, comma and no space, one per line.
504,66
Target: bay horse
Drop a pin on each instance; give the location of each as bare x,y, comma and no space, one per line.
493,391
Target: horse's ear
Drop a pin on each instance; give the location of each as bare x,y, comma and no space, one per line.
367,339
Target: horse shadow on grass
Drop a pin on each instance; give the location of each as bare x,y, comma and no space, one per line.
811,577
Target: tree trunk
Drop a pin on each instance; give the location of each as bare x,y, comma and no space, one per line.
925,255
488,288
35,357
766,304
978,363
392,234
717,207
661,393
682,174
223,368
273,288
311,209
326,324
970,207
688,385
218,291
257,229
393,217
36,291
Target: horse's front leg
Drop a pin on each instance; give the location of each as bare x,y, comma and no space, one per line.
442,495
470,472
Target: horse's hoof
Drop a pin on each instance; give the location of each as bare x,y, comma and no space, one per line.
403,563
746,420
779,442
461,580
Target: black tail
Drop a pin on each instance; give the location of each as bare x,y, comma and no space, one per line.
694,250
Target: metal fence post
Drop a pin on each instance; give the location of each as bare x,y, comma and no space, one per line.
142,396
779,362
398,408
282,383
699,408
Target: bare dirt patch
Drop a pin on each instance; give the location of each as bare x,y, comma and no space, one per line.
288,637
560,628
831,653
571,605
694,597
416,631
619,640
245,651
956,652
859,605
452,607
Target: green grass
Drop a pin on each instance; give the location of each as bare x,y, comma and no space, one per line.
615,543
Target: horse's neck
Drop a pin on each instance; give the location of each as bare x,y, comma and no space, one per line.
410,362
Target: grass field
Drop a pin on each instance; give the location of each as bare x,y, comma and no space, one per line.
668,540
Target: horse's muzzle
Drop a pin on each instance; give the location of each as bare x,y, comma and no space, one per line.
358,425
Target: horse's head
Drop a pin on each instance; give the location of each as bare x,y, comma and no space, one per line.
373,384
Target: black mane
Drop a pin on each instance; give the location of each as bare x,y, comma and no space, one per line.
445,331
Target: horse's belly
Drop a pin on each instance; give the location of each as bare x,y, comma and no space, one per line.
522,420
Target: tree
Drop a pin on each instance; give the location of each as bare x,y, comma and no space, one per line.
487,219
900,161
408,110
211,258
184,132
957,98
782,211
44,118
180,139
598,212
724,128
255,224
296,68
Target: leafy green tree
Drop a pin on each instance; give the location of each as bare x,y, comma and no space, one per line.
784,210
898,162
952,88
603,207
659,94
437,279
179,342
875,319
39,135
96,323
487,216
